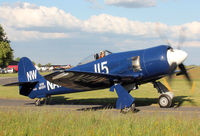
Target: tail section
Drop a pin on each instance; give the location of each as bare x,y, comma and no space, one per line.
28,76
27,71
33,85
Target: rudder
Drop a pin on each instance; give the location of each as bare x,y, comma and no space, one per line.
28,75
27,71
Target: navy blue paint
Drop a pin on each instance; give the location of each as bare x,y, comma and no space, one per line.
153,63
124,98
156,61
42,88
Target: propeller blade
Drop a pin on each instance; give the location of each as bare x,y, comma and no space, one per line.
193,87
167,85
184,71
181,38
162,35
171,71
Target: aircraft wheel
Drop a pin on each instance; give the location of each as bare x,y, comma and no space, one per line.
126,110
48,100
165,101
38,102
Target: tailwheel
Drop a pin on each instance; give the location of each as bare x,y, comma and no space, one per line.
165,101
38,102
131,108
48,100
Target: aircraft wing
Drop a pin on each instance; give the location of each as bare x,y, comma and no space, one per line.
86,80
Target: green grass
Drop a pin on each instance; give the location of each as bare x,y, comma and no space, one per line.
145,95
44,120
9,75
11,92
16,74
57,122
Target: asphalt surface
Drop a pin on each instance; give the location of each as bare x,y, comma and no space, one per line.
6,80
11,104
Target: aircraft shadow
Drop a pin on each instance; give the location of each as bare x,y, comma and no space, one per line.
179,100
109,103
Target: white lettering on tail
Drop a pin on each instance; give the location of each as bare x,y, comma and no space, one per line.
51,86
31,75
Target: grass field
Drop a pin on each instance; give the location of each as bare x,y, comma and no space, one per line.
58,122
46,121
16,74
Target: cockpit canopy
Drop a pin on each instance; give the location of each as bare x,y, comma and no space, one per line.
95,56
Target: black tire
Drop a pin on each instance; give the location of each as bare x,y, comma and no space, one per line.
165,101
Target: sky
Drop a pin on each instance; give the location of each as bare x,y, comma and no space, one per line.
65,32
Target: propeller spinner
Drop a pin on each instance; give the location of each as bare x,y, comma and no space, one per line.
175,58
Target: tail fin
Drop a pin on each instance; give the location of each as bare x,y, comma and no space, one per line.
27,71
28,76
32,84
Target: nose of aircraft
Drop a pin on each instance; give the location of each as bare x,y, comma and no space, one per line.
176,56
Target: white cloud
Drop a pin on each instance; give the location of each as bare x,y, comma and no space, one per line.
25,15
109,24
26,21
131,3
28,15
22,35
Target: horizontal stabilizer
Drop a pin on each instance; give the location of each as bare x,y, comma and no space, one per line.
20,83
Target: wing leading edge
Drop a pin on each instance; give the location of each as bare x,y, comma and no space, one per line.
87,80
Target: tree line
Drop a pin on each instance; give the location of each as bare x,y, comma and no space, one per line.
6,52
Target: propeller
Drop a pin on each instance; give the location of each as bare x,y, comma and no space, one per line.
163,34
176,56
181,38
193,87
171,70
184,72
175,59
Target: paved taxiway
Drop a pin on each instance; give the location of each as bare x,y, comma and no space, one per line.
8,104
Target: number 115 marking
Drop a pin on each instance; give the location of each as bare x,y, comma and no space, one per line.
100,67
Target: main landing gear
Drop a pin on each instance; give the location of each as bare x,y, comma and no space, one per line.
166,97
41,101
125,101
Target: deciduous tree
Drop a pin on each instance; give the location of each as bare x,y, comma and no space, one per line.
6,52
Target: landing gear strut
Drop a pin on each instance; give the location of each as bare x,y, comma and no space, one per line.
166,97
48,100
125,101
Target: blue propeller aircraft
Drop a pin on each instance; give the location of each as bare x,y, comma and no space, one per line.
121,72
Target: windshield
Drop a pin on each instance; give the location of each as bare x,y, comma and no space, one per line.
94,57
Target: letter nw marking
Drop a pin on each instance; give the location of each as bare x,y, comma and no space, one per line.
31,75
